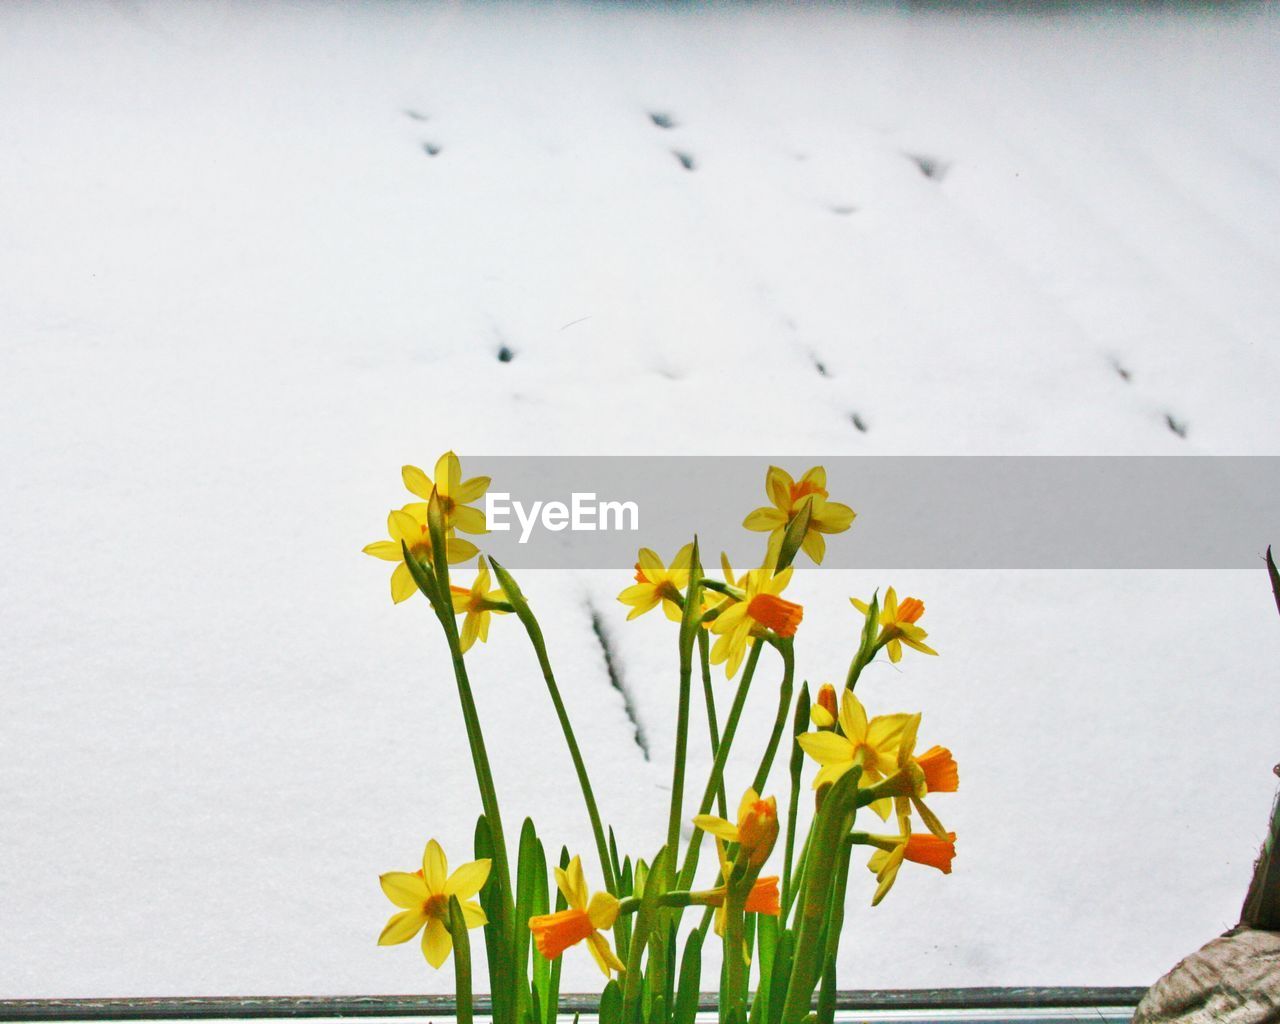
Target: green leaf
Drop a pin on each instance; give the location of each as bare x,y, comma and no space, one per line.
782,958
798,725
611,1004
461,960
686,1004
766,946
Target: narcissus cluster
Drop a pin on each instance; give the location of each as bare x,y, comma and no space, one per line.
783,926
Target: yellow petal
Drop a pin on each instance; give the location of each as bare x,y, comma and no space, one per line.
402,927
907,740
748,800
826,748
830,773
473,915
437,943
764,519
895,650
836,518
388,551
816,477
853,717
882,808
404,889
468,519
417,481
402,585
435,869
470,630
917,645
862,606
468,879
814,546
889,609
458,550
651,565
573,884
683,559
448,475
712,825
401,525
885,732
778,484
471,490
603,910
603,954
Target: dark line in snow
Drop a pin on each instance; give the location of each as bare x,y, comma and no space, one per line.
1179,427
414,115
686,159
662,120
580,319
858,422
615,676
930,166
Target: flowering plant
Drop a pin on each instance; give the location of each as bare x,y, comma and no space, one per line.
785,927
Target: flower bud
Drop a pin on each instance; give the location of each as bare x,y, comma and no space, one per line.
758,830
823,713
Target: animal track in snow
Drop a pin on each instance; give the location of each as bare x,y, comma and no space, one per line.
1178,426
858,422
932,167
662,120
686,159
844,211
432,148
505,355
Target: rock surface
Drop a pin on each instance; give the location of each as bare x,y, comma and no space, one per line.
1235,979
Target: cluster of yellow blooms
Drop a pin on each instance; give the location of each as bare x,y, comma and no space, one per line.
740,612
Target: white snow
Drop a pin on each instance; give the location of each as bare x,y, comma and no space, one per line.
236,294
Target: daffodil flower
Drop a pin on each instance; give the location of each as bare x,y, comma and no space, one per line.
409,525
479,602
934,771
424,895
455,494
762,899
657,583
585,918
872,744
788,497
898,624
755,832
933,851
761,609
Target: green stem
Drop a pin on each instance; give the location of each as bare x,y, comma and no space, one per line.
461,960
734,962
785,648
526,616
793,805
717,768
689,628
713,725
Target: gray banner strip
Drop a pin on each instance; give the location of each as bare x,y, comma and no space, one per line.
914,512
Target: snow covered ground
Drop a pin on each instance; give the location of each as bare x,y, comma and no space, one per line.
254,259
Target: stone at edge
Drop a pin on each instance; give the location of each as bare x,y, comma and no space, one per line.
1235,979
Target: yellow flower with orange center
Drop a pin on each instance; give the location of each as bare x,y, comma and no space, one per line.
872,744
585,918
455,494
424,895
658,584
755,831
898,624
409,525
788,497
761,609
480,603
934,771
930,850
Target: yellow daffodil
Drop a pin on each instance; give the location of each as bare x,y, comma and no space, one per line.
479,602
760,609
409,524
657,583
825,709
455,493
424,895
872,744
934,771
755,832
898,624
584,919
788,497
933,851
